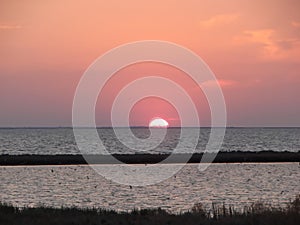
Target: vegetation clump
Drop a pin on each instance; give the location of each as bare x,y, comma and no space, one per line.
256,214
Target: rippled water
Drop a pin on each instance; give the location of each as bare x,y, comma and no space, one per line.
61,141
238,184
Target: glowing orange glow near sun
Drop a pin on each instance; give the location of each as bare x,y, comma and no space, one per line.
158,122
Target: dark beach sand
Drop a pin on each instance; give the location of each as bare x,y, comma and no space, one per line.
222,157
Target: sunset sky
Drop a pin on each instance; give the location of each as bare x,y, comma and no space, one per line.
253,48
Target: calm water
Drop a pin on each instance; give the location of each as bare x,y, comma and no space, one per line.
61,141
238,184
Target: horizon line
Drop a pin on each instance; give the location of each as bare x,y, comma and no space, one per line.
110,127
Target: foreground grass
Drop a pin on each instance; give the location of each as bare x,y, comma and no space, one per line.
257,214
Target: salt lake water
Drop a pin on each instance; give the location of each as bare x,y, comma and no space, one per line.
79,185
61,140
232,184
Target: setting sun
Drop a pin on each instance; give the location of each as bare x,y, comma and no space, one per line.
158,122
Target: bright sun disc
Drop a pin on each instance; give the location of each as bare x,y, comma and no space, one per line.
158,122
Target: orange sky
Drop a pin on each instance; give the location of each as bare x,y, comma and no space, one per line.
253,47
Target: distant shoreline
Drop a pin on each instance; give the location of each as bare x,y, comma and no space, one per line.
170,127
222,157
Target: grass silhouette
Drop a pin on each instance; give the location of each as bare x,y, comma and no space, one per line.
256,214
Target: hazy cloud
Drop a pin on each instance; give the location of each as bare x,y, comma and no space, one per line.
219,19
223,83
265,37
272,45
295,24
9,27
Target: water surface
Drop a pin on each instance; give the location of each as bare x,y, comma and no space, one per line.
61,140
237,184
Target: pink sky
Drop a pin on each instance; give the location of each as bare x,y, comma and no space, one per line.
253,47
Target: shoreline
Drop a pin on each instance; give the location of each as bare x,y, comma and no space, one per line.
222,157
219,214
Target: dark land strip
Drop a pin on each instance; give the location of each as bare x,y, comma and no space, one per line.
255,214
222,157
